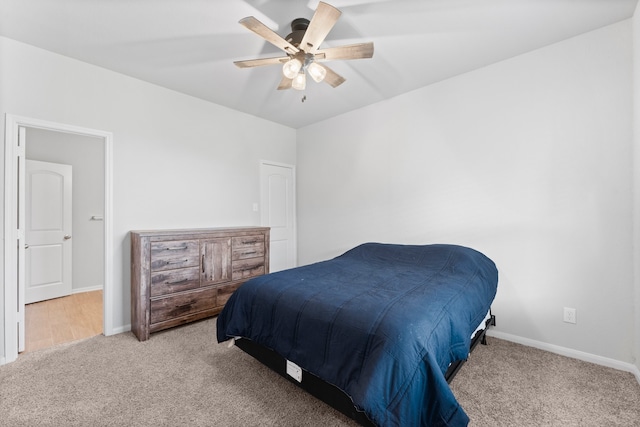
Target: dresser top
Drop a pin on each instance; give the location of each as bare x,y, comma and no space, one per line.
199,231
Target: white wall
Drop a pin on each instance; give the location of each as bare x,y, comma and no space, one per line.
527,160
178,162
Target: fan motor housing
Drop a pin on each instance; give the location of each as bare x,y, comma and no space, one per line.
298,28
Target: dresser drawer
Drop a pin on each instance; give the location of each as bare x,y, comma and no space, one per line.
182,304
174,254
248,247
224,292
171,281
245,268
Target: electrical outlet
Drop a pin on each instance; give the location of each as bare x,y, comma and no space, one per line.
569,315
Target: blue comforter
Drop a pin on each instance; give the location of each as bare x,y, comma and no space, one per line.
381,322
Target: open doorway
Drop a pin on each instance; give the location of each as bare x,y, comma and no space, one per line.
16,147
64,235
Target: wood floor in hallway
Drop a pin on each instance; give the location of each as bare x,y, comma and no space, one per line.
61,320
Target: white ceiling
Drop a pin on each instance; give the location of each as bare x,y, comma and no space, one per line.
190,45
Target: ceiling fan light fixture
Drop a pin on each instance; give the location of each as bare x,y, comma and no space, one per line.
302,49
317,72
291,68
299,81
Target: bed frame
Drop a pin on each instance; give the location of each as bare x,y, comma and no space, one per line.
331,394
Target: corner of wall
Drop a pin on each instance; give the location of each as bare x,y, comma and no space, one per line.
2,132
636,180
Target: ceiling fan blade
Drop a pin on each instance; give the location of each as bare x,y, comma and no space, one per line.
285,83
261,62
322,22
353,51
268,34
332,78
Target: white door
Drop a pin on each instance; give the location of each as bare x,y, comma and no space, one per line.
47,231
278,212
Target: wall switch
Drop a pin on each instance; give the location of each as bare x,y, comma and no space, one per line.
569,315
255,207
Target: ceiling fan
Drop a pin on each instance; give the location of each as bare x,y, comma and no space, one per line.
302,49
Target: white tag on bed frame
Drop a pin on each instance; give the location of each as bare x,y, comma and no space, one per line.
294,371
232,342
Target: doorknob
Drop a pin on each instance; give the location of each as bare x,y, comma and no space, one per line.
26,246
67,236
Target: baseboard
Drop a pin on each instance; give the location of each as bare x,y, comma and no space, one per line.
87,289
568,352
121,329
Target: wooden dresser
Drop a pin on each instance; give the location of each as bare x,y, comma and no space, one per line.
179,276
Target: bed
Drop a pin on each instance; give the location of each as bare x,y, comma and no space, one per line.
383,325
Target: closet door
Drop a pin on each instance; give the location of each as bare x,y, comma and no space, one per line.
216,261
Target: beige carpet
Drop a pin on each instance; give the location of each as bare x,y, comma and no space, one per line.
182,377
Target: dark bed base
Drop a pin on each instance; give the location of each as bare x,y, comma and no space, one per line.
479,337
329,393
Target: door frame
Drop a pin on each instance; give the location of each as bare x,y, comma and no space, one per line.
263,213
14,237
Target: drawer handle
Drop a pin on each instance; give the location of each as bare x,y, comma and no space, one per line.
175,282
183,248
249,253
180,261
